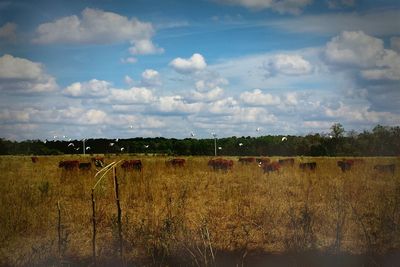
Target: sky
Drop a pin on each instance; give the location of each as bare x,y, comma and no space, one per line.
178,68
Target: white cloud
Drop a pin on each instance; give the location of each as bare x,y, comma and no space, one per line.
151,77
357,49
287,65
8,32
92,88
208,96
128,80
24,76
145,47
195,63
258,98
134,95
177,104
282,6
94,26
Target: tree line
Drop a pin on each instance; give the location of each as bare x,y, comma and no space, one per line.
380,141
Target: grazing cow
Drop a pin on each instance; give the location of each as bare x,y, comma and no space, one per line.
389,168
34,159
286,162
220,164
98,162
85,166
308,166
247,160
69,164
175,162
271,167
134,164
345,164
262,161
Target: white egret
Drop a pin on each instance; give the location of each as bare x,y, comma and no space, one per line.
71,144
284,138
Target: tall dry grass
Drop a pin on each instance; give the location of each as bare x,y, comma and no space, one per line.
193,213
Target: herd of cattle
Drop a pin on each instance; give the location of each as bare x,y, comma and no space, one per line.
223,164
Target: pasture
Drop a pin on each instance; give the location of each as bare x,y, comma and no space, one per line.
193,215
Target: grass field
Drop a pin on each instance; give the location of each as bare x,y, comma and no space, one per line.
194,216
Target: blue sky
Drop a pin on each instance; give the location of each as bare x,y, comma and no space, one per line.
168,68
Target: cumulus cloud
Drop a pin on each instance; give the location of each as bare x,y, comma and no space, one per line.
258,98
21,75
176,105
129,60
195,63
151,77
96,26
134,95
8,32
359,50
282,6
92,88
145,47
287,65
208,96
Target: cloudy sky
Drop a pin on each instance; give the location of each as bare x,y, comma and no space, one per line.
102,68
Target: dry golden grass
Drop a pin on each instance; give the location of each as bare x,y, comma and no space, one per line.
194,212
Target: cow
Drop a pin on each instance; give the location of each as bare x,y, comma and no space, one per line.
286,162
34,159
134,164
220,164
308,166
98,162
262,161
389,168
271,167
85,166
175,162
69,164
247,160
345,164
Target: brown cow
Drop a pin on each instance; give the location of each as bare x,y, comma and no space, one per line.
308,166
271,167
69,164
262,161
34,159
220,164
134,164
389,168
175,162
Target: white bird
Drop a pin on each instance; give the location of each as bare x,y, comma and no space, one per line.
240,144
192,134
71,144
131,126
88,147
55,137
219,148
122,148
64,136
284,138
45,141
77,148
111,144
116,140
330,136
69,140
146,146
258,129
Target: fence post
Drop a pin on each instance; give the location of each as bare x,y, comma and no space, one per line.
116,186
94,229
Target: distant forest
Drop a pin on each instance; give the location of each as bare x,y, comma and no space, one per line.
381,141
